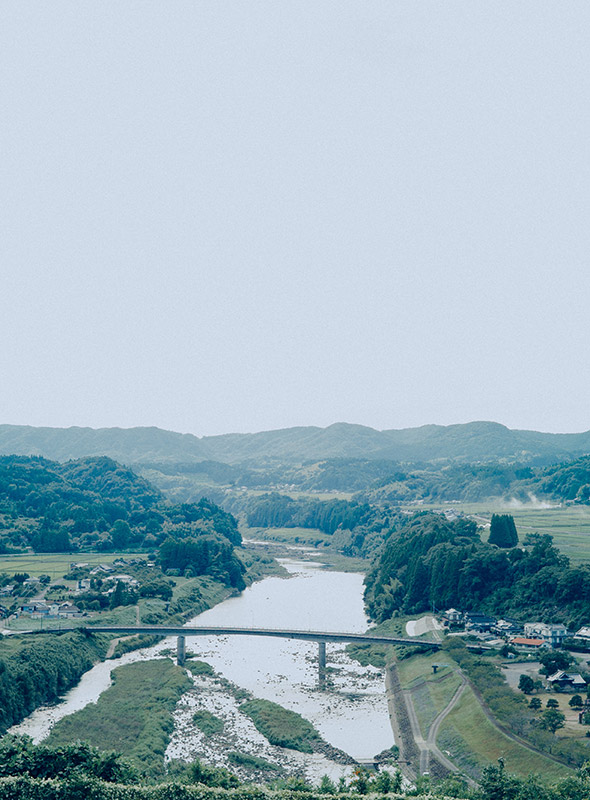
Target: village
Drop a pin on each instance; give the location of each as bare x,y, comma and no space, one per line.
528,645
84,589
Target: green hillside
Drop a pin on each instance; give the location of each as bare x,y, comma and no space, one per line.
96,504
474,441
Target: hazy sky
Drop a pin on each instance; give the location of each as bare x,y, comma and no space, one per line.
237,215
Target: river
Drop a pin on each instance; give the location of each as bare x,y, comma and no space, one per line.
351,715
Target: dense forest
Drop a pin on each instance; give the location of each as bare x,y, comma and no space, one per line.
96,504
430,560
38,669
356,529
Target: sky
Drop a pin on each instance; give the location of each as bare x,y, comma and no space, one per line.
239,216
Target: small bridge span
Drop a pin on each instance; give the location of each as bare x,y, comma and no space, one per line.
321,637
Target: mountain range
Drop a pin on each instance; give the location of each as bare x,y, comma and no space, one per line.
469,442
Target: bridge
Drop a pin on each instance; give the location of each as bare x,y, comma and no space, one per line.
321,637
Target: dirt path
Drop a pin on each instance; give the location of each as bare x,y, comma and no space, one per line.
113,644
429,747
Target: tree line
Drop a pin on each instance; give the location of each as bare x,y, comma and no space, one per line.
430,560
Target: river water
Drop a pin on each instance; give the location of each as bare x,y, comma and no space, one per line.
351,714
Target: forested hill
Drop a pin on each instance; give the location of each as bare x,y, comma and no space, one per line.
471,442
430,559
96,504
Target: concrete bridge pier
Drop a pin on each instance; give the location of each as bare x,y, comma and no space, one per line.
321,665
180,650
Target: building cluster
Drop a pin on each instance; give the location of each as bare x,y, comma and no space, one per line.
102,577
527,637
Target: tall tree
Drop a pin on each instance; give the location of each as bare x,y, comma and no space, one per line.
503,531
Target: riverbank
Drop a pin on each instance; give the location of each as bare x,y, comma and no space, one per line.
350,715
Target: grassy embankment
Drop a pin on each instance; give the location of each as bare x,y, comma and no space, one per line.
35,670
466,735
133,716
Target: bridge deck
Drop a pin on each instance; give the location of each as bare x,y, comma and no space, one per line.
309,636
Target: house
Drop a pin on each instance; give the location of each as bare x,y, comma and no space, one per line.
553,634
479,622
571,681
453,616
32,582
583,633
6,591
507,627
530,645
83,585
35,608
41,610
101,569
128,580
68,610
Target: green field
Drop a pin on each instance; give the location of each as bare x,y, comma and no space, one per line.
474,742
56,565
305,536
569,525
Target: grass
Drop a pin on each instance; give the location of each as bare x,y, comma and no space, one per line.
307,536
418,668
432,697
207,722
280,726
200,668
133,716
474,742
252,762
569,525
56,565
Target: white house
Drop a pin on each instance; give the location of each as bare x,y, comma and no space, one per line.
554,634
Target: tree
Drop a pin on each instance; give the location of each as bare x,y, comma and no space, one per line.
360,782
552,703
554,660
576,701
552,720
121,534
327,786
526,684
535,703
118,596
503,531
